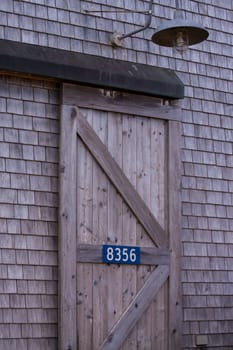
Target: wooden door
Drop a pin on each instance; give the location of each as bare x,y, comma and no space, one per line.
119,186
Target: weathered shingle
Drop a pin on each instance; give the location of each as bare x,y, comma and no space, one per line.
29,151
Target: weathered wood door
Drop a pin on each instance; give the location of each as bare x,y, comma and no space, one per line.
119,176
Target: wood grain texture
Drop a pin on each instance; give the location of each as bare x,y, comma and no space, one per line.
115,229
123,161
84,234
88,253
174,184
67,224
136,309
100,234
114,101
143,125
129,273
120,181
159,207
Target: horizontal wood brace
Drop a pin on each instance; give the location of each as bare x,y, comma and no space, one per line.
88,253
120,102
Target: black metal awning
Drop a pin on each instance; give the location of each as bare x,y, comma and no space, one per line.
89,70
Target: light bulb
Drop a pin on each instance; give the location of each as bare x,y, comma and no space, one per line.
180,42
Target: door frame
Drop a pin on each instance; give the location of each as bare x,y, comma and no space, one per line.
148,106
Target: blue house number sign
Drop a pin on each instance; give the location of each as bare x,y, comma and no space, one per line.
117,254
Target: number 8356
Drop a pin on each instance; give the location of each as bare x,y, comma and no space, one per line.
121,254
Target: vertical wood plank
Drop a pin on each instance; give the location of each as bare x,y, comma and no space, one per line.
158,205
84,235
114,272
129,273
143,188
102,293
67,227
174,200
120,181
135,311
100,234
158,170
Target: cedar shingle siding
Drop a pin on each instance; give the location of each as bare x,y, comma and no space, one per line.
29,156
28,224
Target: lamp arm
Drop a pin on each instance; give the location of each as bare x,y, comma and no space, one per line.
147,24
117,38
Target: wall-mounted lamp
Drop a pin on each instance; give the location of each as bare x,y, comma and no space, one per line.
178,32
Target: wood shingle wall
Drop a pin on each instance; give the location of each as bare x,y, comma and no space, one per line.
29,155
28,224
